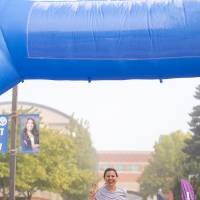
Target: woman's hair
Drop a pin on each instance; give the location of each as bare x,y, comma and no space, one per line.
110,169
34,131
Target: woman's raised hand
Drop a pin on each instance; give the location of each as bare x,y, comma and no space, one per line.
92,192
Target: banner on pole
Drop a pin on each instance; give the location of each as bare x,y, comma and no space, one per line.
29,133
3,133
187,192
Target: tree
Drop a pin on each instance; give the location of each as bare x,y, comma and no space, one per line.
85,157
79,185
55,168
192,148
196,186
51,169
193,145
166,164
85,152
4,174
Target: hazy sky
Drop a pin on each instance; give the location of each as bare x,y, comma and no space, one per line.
123,115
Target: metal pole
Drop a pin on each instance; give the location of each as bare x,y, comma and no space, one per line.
13,145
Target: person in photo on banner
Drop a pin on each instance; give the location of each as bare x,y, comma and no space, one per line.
30,136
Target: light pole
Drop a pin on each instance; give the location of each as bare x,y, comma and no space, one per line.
13,145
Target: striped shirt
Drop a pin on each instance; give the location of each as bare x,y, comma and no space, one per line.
103,194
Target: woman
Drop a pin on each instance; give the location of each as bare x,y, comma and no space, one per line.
30,136
109,191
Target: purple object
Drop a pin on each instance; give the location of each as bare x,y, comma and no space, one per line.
187,192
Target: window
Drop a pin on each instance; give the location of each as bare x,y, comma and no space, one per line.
120,167
102,167
134,167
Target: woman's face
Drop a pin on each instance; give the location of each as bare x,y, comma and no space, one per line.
110,178
29,125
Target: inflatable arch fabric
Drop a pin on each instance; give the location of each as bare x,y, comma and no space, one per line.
98,40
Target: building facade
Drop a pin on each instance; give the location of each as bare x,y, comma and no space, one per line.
129,164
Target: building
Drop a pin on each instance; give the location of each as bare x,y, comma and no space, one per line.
129,164
50,117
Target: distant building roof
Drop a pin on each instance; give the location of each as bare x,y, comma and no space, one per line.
124,156
51,117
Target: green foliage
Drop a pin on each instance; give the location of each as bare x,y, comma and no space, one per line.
4,174
64,165
29,173
192,148
177,190
85,153
193,145
79,185
48,170
85,157
166,164
54,169
196,186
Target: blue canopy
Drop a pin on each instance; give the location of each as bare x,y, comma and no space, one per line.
98,40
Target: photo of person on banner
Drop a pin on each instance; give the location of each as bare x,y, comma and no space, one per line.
29,133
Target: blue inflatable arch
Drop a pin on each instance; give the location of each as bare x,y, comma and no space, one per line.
98,40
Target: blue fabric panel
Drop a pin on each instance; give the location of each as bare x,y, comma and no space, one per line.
109,30
8,74
98,40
